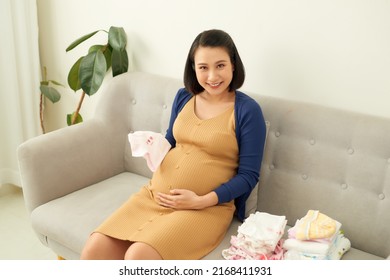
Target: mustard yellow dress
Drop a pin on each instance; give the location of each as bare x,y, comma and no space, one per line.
205,156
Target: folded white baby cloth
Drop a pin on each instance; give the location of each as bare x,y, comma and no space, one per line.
311,250
150,145
263,227
311,247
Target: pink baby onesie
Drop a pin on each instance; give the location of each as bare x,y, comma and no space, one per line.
150,145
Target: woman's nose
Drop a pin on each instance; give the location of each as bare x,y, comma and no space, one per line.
213,75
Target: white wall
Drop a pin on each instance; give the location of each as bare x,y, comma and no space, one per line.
333,52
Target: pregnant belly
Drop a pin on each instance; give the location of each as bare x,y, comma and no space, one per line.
193,170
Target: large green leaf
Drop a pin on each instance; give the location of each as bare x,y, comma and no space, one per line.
92,71
69,117
117,38
95,48
120,62
108,55
106,49
73,75
80,40
51,93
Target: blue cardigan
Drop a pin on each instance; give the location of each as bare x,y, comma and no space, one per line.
250,133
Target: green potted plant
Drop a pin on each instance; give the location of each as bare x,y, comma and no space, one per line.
88,72
48,91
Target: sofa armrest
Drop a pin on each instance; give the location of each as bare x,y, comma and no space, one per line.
388,257
63,161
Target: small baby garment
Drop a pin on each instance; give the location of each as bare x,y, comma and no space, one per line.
315,225
150,145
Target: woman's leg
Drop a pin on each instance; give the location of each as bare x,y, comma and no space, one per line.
103,247
141,251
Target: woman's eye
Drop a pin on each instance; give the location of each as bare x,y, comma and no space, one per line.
221,66
202,68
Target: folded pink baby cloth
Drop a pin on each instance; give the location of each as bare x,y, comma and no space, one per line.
151,145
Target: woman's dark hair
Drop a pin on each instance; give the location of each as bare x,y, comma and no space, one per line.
213,38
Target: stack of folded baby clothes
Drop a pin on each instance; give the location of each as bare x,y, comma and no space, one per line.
258,238
315,237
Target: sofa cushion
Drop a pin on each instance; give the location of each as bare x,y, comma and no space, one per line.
355,254
85,210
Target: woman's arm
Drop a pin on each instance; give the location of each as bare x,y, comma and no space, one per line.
251,134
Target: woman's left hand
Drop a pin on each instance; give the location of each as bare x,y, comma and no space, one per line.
183,199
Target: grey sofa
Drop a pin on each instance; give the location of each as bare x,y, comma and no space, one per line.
315,157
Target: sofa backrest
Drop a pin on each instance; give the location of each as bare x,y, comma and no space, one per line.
331,160
142,101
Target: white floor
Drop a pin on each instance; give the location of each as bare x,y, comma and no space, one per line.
17,239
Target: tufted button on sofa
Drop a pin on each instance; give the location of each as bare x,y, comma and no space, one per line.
334,161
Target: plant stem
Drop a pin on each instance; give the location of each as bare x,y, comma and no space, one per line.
78,108
41,102
41,113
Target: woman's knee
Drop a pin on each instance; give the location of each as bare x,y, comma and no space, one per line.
92,245
103,247
142,251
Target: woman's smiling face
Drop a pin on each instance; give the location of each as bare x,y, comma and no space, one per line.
214,69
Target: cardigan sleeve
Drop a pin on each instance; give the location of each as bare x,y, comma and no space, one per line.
251,134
